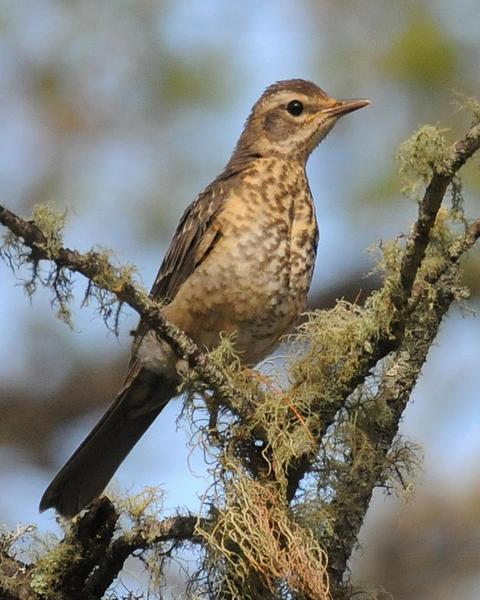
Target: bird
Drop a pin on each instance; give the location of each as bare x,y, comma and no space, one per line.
240,263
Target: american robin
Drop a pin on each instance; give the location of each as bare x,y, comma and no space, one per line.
240,263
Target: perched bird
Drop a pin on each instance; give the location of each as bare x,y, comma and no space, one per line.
240,262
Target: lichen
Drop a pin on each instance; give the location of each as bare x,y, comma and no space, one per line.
419,156
46,578
109,277
470,104
51,223
255,533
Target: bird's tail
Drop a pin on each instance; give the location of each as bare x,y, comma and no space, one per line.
93,464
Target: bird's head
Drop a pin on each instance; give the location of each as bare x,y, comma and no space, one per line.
290,119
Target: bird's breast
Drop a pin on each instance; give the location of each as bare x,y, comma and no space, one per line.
256,280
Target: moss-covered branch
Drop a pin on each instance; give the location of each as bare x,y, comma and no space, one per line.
444,172
398,288
99,271
380,427
174,529
85,563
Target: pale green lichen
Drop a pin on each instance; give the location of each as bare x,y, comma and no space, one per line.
139,509
109,280
60,279
421,155
51,223
110,276
255,534
470,104
46,578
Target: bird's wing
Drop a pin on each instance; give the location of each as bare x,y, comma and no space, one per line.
196,235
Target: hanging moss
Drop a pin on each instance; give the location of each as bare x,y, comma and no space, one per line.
255,533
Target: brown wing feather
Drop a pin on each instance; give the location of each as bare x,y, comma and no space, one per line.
196,235
192,240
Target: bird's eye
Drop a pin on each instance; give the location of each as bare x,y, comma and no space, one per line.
295,108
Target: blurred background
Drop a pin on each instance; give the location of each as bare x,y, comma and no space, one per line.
121,112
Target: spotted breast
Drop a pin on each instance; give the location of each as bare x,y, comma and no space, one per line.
255,280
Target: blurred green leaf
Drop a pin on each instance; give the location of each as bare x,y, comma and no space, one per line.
422,55
191,80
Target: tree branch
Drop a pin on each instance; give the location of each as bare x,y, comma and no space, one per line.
390,338
93,266
175,529
397,384
89,558
428,209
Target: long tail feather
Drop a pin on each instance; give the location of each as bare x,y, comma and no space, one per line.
93,464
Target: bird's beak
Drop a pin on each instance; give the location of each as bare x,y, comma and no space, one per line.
343,107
